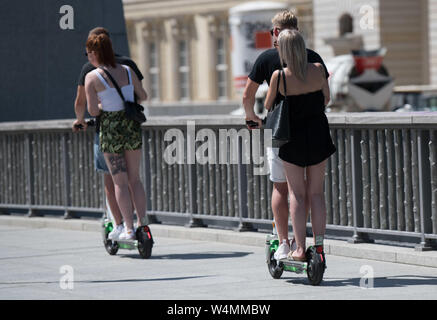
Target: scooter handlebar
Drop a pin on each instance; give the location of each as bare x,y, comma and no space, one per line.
89,123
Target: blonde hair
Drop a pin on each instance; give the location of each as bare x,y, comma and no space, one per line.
292,51
285,20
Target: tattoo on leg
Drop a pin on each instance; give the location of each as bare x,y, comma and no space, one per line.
118,164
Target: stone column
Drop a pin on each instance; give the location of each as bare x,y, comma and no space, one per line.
140,26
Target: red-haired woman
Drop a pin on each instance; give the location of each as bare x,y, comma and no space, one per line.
120,138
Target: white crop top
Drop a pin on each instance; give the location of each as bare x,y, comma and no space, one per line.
109,98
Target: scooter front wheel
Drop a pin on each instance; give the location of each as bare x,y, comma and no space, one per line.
275,269
111,247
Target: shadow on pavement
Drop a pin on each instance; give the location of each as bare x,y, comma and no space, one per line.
378,282
192,256
103,281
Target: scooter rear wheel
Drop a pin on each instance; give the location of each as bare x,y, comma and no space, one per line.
316,266
145,242
275,269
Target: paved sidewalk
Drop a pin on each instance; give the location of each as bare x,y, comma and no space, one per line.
376,252
53,263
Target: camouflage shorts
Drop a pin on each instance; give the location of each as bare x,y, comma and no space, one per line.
117,133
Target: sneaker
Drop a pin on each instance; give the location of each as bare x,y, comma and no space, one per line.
127,235
283,251
115,233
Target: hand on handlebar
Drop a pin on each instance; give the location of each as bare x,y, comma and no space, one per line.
79,125
253,122
82,125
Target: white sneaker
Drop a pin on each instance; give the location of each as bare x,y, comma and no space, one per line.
127,235
115,233
282,251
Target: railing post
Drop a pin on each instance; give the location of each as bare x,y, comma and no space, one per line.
424,192
67,190
147,177
432,149
29,175
357,191
242,190
192,176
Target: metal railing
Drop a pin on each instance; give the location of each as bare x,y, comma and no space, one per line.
382,179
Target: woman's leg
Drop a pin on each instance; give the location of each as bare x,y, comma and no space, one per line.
280,209
297,191
118,168
133,159
110,197
316,176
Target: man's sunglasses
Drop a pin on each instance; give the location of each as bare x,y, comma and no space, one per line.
275,31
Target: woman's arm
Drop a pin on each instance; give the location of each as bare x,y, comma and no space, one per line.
79,109
271,94
326,91
91,96
325,84
249,101
138,87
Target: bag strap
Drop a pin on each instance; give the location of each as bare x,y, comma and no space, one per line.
277,90
279,80
114,83
285,83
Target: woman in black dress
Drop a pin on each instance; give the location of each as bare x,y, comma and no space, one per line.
305,87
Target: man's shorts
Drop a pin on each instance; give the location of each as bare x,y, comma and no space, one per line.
277,172
99,159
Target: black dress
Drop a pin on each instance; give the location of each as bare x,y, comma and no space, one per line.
311,141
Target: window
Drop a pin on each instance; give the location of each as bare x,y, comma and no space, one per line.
153,71
346,23
222,70
184,70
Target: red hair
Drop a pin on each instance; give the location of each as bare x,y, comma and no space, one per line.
102,46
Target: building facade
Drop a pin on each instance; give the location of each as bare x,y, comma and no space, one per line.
407,29
183,47
42,46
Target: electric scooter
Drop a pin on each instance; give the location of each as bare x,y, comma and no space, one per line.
143,241
314,266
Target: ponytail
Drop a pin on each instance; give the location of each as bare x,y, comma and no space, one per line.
101,44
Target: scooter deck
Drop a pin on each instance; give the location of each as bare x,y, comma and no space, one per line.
127,244
294,266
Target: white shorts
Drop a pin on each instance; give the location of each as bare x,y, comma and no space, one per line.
276,166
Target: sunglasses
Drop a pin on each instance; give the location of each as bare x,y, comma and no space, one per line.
275,31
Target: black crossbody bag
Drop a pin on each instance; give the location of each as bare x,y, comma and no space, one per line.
278,119
133,110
